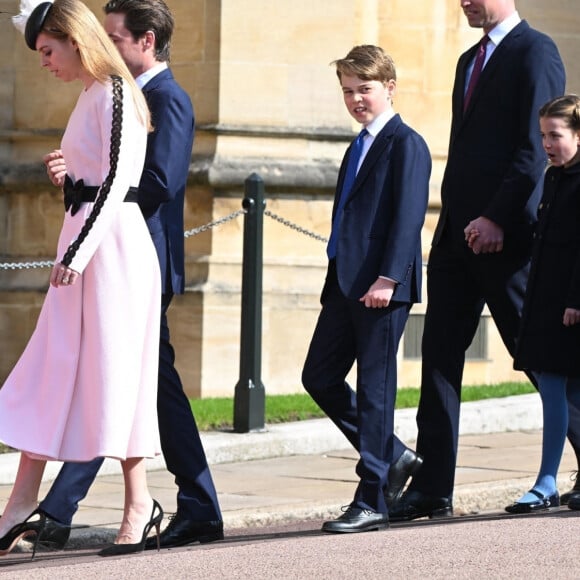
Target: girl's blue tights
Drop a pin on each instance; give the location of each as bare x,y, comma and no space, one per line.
555,392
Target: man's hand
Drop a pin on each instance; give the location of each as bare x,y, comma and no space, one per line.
55,167
571,317
379,294
484,236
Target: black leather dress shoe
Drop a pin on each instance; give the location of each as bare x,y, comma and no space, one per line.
414,504
406,466
182,531
357,520
574,501
542,503
564,498
54,535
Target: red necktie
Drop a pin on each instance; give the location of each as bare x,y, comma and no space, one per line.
477,68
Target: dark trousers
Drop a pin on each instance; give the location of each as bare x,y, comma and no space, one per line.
459,284
346,332
180,442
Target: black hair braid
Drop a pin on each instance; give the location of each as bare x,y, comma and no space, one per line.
113,159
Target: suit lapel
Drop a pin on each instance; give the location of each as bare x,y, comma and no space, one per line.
462,68
376,153
488,71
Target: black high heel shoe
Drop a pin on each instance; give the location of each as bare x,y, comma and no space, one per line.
121,549
22,530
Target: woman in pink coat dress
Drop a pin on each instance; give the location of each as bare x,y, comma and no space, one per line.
86,383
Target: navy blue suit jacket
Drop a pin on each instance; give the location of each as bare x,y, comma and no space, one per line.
496,159
380,229
162,186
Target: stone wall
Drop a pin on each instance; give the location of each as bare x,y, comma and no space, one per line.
266,101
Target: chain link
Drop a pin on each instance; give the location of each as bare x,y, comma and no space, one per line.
295,227
25,265
186,234
214,224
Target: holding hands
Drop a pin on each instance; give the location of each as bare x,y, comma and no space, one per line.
571,317
484,236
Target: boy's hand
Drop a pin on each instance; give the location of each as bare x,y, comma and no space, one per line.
379,294
55,167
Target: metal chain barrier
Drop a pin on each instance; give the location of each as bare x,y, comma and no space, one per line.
187,234
295,227
25,265
214,224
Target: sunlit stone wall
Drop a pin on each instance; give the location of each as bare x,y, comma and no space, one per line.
267,101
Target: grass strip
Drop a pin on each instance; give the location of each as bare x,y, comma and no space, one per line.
218,413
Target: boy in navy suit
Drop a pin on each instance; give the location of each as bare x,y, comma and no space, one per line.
373,278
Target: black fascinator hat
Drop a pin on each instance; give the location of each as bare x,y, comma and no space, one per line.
35,23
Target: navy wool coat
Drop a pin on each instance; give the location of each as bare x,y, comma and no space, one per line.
544,343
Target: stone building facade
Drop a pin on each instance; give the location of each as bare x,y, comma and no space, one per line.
267,102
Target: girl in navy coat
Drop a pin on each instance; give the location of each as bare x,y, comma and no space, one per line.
549,339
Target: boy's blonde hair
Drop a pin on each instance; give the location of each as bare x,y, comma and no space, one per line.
368,62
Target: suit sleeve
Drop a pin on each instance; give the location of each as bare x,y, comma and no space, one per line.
411,171
542,78
168,147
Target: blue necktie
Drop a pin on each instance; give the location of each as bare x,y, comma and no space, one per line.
350,176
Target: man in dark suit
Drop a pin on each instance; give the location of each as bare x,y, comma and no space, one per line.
374,276
142,30
482,243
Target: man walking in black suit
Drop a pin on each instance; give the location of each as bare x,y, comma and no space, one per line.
142,30
491,186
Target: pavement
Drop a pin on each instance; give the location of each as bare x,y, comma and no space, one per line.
306,470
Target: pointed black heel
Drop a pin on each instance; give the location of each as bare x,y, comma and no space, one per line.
22,530
122,549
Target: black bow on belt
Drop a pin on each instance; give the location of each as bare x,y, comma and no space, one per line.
76,193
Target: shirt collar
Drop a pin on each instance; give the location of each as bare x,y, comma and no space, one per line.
501,30
145,77
377,124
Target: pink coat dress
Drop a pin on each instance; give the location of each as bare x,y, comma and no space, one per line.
86,384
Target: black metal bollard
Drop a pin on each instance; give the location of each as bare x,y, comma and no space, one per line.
249,395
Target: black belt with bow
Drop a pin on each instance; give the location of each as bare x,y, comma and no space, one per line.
76,193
